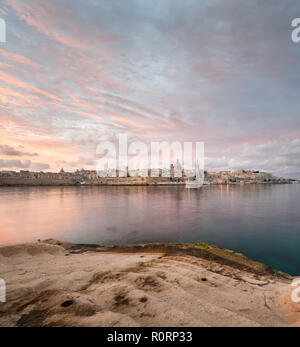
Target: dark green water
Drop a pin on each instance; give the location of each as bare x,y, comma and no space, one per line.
261,221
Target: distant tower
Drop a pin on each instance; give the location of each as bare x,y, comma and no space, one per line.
172,170
62,170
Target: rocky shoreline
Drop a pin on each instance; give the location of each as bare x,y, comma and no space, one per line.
199,250
53,283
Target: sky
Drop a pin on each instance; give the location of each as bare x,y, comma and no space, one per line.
225,72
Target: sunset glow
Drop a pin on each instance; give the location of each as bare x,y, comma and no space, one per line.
74,73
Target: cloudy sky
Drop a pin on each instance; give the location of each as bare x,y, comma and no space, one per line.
226,72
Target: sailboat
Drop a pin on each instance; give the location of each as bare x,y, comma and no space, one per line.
198,181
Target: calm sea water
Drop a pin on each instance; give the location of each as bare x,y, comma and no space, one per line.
261,221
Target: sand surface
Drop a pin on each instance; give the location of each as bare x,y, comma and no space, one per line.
51,284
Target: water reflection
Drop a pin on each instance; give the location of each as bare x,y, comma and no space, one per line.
261,221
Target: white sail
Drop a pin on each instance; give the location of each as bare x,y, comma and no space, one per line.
198,181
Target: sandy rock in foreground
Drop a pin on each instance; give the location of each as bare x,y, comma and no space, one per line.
49,286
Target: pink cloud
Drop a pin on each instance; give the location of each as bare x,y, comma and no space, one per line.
109,114
17,58
16,82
